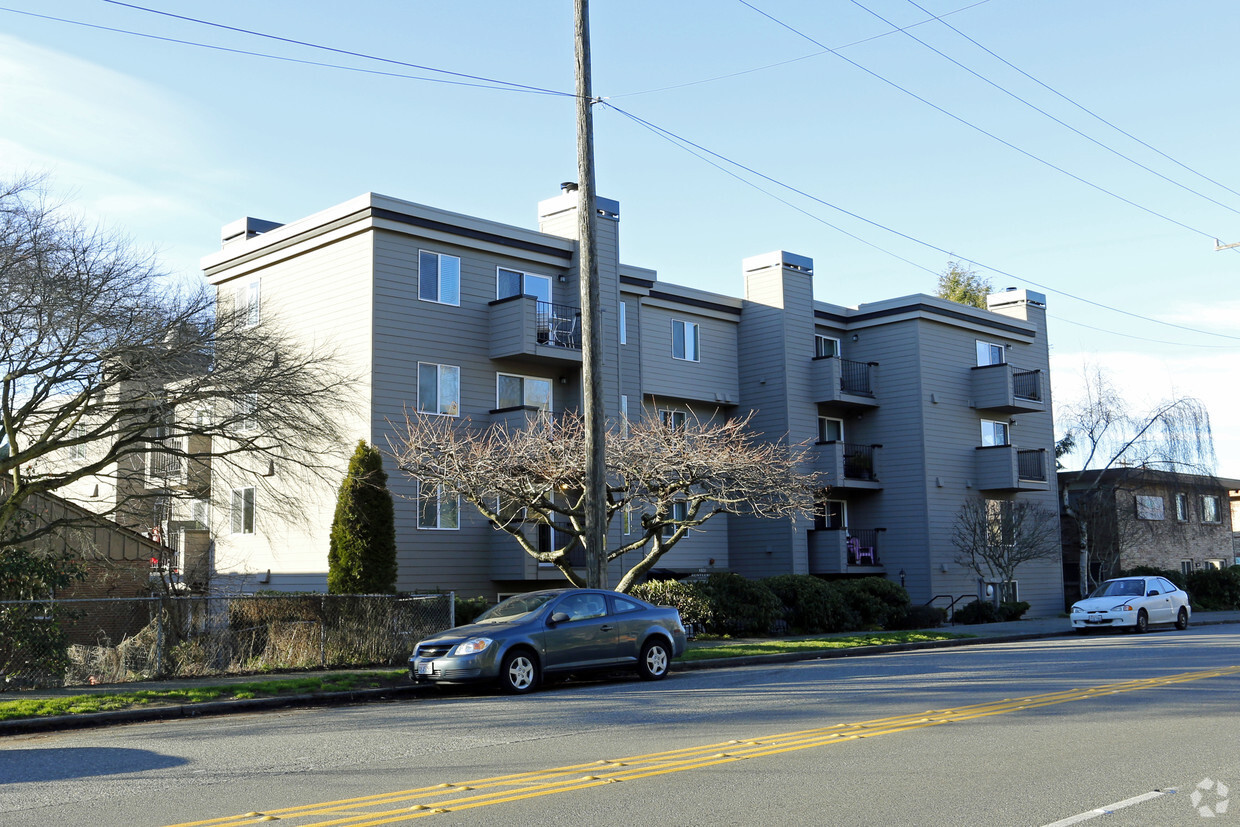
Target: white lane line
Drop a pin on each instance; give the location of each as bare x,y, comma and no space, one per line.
1110,808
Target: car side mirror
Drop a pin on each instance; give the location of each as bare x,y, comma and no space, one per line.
560,617
1153,593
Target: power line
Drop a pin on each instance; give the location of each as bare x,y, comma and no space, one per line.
1079,106
1041,111
977,128
679,139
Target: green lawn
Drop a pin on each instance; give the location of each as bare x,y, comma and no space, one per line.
779,647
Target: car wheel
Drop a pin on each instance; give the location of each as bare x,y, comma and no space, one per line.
518,673
1143,622
654,660
1181,620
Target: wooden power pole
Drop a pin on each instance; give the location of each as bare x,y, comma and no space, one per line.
595,494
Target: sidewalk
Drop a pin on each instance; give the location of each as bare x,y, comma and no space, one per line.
1018,630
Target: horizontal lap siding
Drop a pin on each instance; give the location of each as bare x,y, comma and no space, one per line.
322,297
714,375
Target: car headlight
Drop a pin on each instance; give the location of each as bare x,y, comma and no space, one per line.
473,646
1123,607
1077,610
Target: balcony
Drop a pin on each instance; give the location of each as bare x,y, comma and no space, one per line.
522,326
1005,468
848,465
1008,388
842,380
841,551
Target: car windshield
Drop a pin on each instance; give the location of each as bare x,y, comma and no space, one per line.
514,607
1120,588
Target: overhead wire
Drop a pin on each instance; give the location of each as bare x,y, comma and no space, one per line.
1079,106
975,127
1042,111
675,138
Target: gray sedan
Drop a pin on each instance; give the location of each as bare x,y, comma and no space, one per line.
553,632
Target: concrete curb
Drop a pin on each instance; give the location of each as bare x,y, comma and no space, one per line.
171,712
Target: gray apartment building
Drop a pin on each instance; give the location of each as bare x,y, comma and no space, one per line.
913,405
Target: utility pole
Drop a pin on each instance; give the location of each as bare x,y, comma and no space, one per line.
595,494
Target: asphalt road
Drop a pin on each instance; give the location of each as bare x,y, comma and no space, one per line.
1030,733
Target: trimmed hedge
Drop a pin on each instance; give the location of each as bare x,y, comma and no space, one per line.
1214,590
812,605
742,607
875,600
690,599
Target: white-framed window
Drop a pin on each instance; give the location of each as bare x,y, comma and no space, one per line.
1149,507
673,419
436,510
513,391
679,513
626,521
439,278
1186,567
830,429
990,353
624,415
1213,563
200,513
826,346
245,413
77,451
686,339
509,282
624,323
831,515
439,389
1181,507
1210,511
246,302
994,433
242,517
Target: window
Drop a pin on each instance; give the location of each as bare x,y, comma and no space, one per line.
624,415
624,323
512,391
831,515
1210,512
515,283
77,451
685,340
436,510
626,522
1181,507
994,433
439,389
200,513
244,410
679,513
826,346
439,278
1149,507
830,430
1214,564
1186,567
246,302
674,420
243,511
989,353
622,605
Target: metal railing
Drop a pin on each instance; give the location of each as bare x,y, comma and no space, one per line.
855,377
1031,465
859,461
559,325
49,643
1027,384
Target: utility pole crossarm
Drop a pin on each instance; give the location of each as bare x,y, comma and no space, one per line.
1219,246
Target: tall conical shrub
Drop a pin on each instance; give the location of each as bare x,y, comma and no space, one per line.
361,558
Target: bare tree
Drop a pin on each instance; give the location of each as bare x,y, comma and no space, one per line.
666,481
1102,433
114,375
994,537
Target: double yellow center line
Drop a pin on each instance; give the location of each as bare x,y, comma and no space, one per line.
405,805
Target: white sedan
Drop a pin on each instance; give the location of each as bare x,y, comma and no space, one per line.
1132,601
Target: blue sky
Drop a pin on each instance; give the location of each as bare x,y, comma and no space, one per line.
170,141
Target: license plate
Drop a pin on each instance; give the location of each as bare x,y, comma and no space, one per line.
1096,620
426,668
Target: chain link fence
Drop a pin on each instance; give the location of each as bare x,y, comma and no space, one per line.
53,643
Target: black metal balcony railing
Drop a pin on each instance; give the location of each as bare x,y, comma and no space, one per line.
559,325
855,377
1027,384
1031,465
859,461
862,546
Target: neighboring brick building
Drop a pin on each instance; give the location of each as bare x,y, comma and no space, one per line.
1147,517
